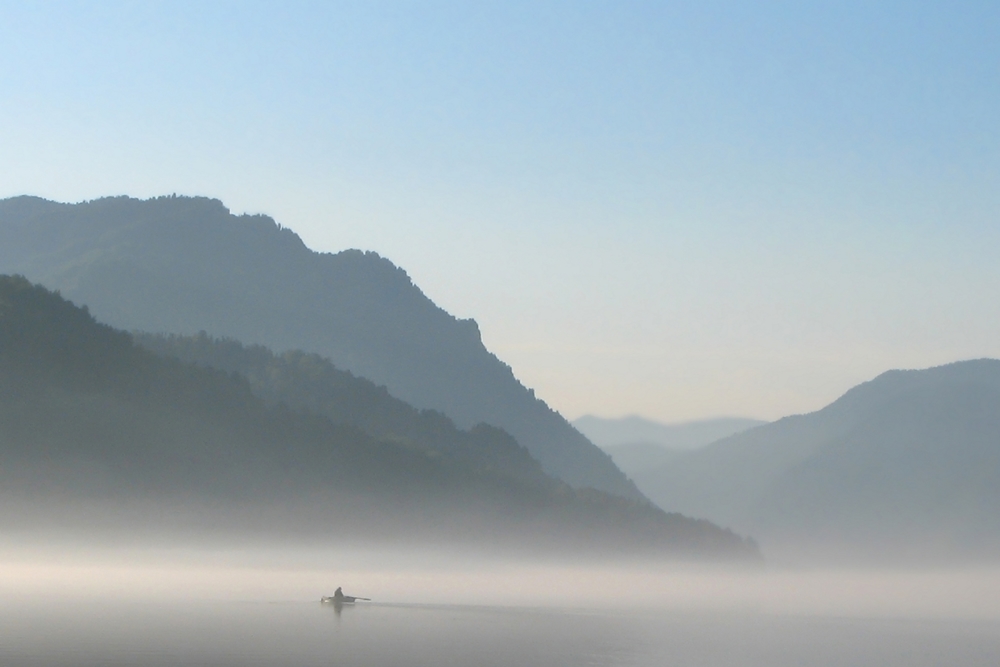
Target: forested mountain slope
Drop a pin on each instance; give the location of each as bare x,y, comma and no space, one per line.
184,265
97,430
309,382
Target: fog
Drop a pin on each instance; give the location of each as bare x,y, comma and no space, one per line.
65,603
425,576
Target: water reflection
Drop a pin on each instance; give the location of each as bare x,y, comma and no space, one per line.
337,605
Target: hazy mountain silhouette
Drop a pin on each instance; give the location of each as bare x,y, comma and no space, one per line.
184,265
638,445
309,382
682,435
89,419
904,466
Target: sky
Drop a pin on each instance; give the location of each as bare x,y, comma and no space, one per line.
673,209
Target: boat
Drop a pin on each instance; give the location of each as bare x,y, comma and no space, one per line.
338,597
347,599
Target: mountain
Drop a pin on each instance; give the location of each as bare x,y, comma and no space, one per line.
96,431
607,433
183,265
904,466
309,382
638,445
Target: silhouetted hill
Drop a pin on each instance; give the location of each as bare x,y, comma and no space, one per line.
184,265
309,382
95,430
904,466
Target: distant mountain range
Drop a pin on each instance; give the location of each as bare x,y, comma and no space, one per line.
440,439
99,433
638,445
682,435
906,466
183,265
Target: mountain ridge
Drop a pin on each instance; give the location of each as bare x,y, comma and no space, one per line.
904,465
638,445
633,429
94,427
308,382
183,265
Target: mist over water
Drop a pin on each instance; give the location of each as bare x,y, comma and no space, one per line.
487,218
260,606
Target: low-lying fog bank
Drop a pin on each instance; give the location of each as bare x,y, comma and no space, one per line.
392,576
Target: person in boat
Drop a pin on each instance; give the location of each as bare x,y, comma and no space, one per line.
338,598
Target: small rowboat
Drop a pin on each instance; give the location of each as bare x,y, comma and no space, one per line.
347,599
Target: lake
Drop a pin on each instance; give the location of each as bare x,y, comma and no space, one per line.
182,609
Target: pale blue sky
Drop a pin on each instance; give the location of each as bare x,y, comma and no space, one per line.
673,209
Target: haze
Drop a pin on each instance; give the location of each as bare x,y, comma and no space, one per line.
563,331
427,576
679,211
257,607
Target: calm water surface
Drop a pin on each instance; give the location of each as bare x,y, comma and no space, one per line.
259,607
83,632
